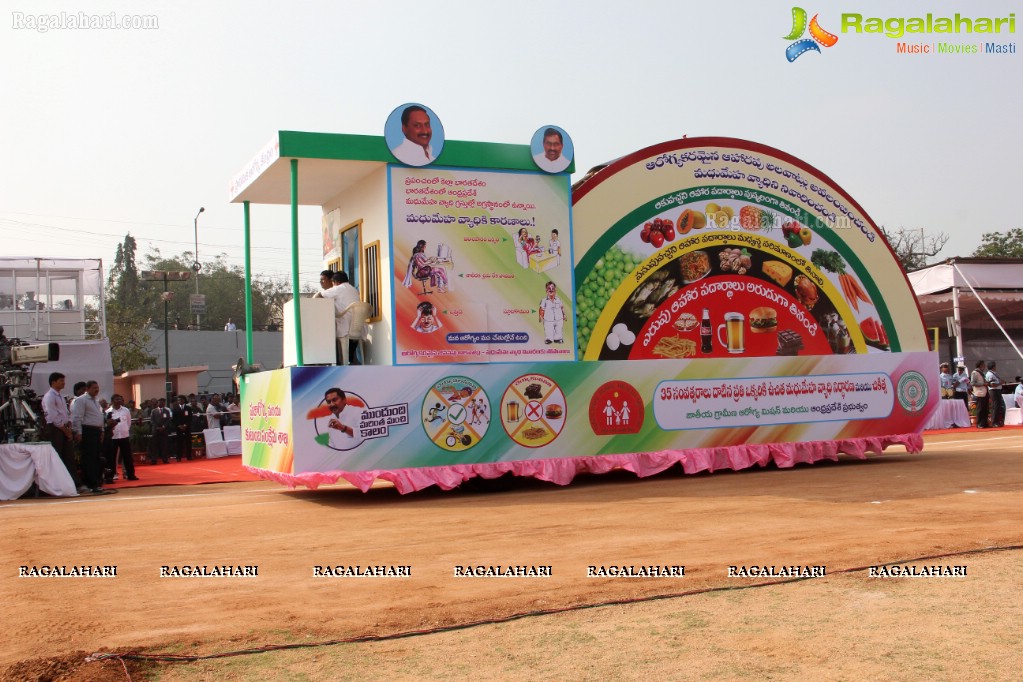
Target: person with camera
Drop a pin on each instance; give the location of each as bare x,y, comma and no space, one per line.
119,418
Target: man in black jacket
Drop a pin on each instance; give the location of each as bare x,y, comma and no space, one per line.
182,417
162,427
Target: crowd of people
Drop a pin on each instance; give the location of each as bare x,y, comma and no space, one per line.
93,436
980,390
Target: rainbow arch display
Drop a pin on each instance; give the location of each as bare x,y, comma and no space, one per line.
750,227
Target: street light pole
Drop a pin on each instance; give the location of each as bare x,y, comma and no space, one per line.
156,276
197,266
166,344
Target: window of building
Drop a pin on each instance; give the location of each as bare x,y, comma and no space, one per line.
371,285
350,240
351,243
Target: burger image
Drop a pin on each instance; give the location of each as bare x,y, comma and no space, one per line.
763,319
553,412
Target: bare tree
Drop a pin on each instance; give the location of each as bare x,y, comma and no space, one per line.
913,247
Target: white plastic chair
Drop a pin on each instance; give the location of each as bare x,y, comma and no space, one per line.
1013,416
215,445
360,311
233,439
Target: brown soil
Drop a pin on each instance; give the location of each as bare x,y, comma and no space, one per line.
964,493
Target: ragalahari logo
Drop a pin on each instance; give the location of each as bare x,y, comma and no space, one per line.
817,35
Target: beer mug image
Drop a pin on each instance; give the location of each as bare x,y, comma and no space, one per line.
514,414
734,328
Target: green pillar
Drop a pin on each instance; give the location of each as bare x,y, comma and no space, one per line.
248,285
295,289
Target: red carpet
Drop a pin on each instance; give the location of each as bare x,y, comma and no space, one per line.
190,472
969,429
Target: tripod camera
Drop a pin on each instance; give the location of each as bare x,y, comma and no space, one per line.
21,414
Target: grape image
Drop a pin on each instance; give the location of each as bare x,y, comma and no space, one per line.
593,294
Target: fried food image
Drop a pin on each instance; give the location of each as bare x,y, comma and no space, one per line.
806,291
534,433
675,347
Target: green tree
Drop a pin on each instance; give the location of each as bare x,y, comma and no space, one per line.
123,282
273,295
223,286
134,305
1001,244
127,312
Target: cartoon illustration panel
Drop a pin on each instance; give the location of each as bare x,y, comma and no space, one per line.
475,256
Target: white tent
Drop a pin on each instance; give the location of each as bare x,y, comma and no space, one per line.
983,296
91,269
59,300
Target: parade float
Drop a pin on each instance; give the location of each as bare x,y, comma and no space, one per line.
724,305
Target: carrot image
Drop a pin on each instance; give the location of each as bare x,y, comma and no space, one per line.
859,291
849,291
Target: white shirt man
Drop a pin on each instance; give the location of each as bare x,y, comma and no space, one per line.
120,445
230,326
85,411
343,425
554,247
415,149
58,426
343,294
87,424
213,412
552,160
993,380
961,382
122,427
335,286
55,409
552,315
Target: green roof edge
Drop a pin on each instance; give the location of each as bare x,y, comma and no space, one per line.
483,155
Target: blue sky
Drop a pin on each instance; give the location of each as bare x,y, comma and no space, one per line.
108,131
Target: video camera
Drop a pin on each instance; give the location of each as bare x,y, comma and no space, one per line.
28,354
20,408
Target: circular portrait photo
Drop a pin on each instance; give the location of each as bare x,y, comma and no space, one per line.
414,134
552,149
338,419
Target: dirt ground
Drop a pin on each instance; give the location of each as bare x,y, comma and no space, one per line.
963,493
